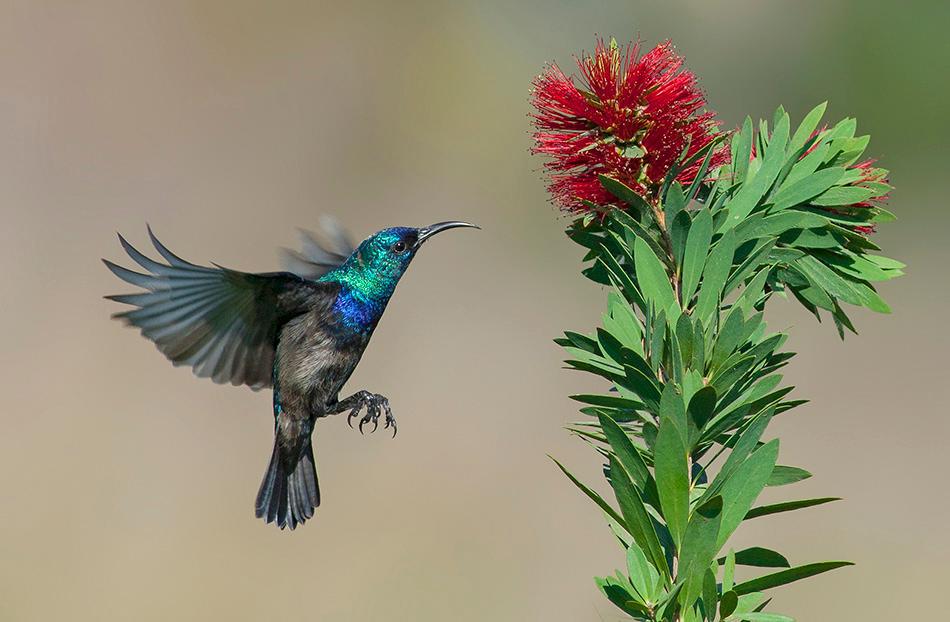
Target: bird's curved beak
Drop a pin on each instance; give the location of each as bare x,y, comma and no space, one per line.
427,232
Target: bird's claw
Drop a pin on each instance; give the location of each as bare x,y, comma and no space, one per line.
375,405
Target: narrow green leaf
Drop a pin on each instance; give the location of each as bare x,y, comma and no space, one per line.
784,577
624,193
727,603
652,277
787,506
674,201
761,558
808,126
635,516
701,407
679,233
783,475
828,280
728,338
697,248
626,452
671,458
715,274
635,230
699,548
642,385
740,491
624,324
644,577
800,191
729,573
596,498
710,593
742,150
620,278
754,189
843,196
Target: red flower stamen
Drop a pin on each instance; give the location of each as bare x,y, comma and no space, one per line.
630,120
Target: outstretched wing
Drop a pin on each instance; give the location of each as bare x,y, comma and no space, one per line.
220,322
319,253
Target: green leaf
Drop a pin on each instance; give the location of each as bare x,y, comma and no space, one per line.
742,150
729,572
679,232
617,592
784,577
700,410
642,385
652,277
596,498
671,458
699,548
760,557
635,516
727,603
808,126
844,195
729,337
754,189
758,258
787,506
740,491
644,577
635,229
624,193
783,475
777,224
697,248
710,593
801,191
673,202
623,323
608,401
742,447
715,274
828,280
626,452
620,278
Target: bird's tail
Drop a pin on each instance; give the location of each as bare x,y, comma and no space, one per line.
289,495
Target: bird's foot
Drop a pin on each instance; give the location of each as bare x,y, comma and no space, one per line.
375,405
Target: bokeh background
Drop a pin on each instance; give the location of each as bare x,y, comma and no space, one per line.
126,485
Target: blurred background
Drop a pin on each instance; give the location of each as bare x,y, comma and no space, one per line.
127,485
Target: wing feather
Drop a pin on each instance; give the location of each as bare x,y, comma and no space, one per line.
220,322
321,252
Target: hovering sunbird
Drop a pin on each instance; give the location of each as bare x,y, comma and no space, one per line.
301,332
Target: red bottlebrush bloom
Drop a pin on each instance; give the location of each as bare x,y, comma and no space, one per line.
630,120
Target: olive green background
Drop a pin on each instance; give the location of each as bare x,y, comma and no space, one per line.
126,485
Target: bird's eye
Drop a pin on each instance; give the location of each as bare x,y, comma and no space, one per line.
399,247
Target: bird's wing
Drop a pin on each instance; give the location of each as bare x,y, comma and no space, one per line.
319,253
220,322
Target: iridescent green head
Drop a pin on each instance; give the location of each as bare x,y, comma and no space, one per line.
370,275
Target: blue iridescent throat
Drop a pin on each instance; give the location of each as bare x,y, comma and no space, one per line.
357,312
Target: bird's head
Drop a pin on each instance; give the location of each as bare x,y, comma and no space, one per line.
381,259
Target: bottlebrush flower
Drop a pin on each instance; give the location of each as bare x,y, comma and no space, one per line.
631,119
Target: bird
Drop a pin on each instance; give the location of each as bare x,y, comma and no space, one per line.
300,332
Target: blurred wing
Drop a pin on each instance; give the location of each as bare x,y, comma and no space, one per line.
319,253
220,322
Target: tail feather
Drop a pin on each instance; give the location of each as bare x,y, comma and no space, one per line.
289,499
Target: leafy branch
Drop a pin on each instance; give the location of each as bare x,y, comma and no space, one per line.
692,367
